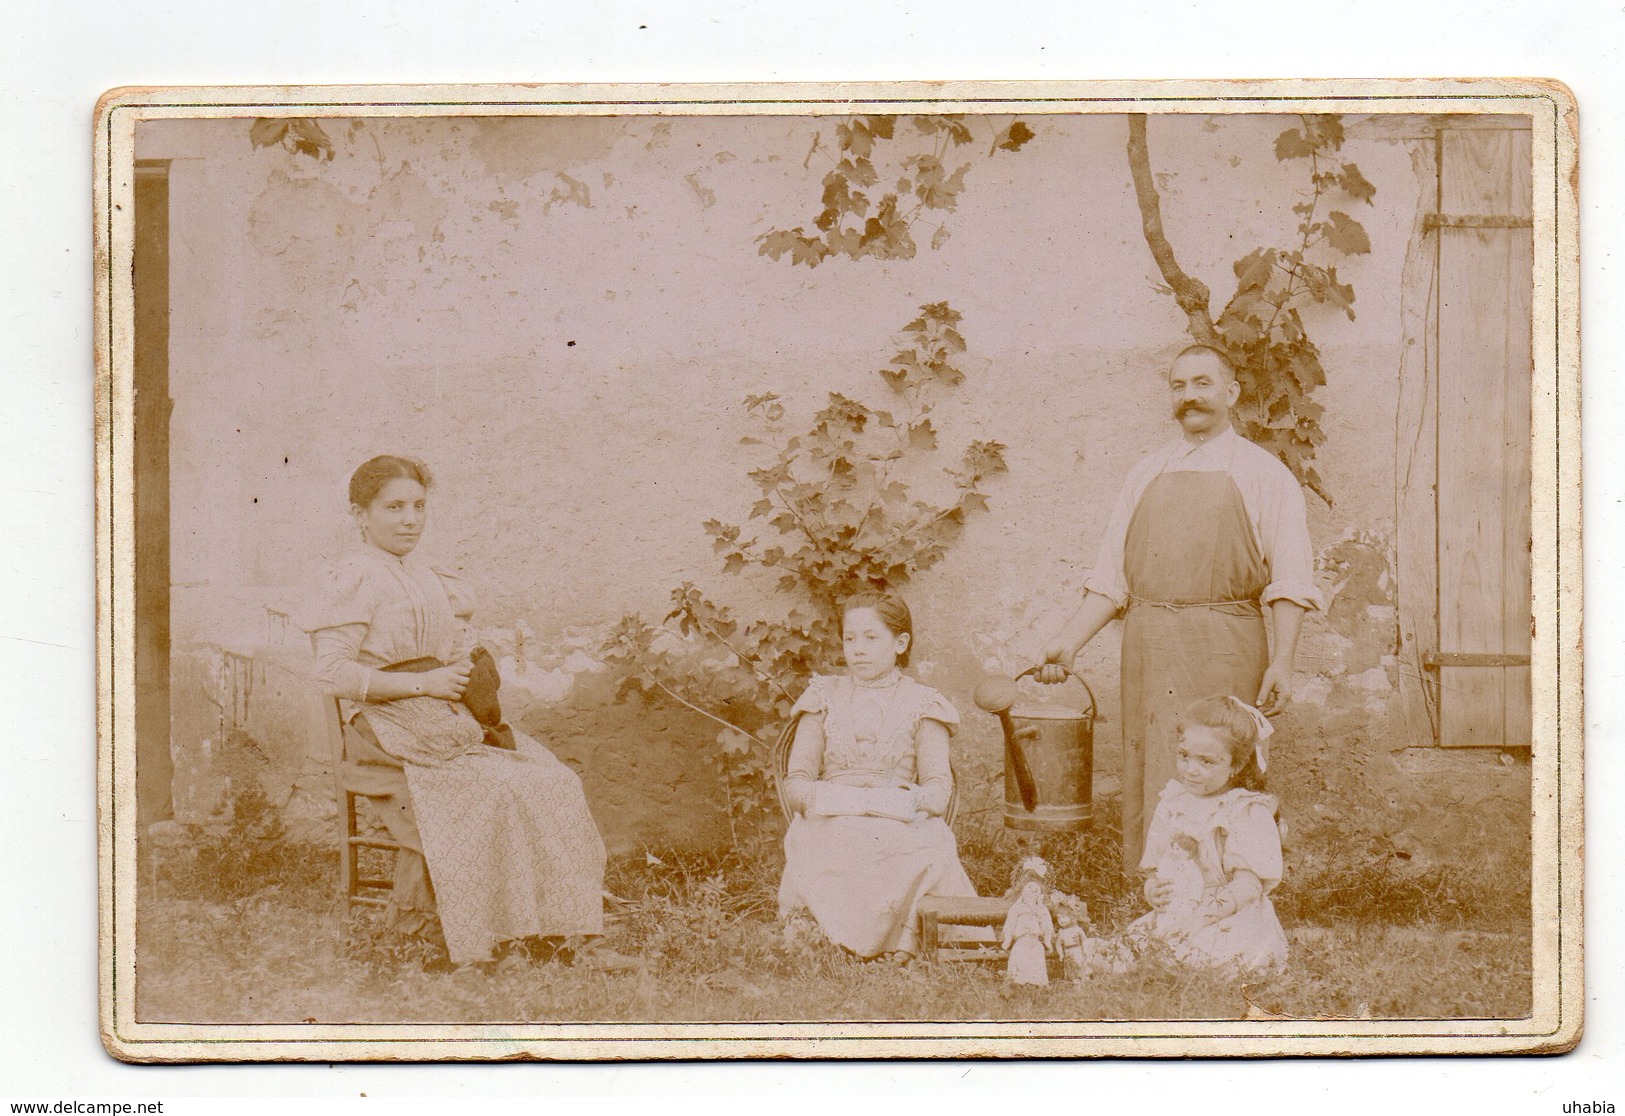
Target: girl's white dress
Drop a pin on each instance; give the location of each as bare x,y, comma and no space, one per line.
1234,831
861,875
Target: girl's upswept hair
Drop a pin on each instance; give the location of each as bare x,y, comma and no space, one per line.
373,475
892,610
1235,726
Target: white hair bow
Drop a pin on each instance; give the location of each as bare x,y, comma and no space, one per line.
1265,730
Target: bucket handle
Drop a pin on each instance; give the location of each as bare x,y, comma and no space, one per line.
1074,675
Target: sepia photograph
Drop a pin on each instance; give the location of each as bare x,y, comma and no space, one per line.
838,571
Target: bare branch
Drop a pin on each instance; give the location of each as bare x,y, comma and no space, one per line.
749,662
1190,293
679,698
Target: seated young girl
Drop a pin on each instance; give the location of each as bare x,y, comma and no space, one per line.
868,785
1213,852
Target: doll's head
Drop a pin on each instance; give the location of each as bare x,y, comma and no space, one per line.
1066,918
877,633
1029,869
1032,893
1217,747
1184,844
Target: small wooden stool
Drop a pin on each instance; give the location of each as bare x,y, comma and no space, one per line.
937,911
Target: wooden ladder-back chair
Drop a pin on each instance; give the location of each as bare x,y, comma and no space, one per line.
781,769
355,887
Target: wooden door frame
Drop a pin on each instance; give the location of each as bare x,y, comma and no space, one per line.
150,271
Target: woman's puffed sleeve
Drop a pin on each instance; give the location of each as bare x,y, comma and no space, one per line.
806,761
1252,841
339,612
344,594
462,608
462,604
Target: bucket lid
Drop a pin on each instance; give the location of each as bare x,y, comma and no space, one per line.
1047,712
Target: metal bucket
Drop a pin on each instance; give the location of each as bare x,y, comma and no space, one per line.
1060,756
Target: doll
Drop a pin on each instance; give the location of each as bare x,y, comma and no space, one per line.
1029,933
1069,943
1178,868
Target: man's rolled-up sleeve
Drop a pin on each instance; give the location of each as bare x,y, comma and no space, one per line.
1284,533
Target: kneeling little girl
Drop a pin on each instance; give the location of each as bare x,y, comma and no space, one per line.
1213,852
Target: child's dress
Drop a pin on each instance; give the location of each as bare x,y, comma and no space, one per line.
861,870
1234,831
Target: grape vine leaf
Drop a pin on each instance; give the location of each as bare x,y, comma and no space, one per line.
1291,144
1346,234
1012,137
1355,184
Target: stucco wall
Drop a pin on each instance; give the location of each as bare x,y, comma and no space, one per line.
562,317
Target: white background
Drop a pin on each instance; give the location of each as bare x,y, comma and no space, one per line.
56,58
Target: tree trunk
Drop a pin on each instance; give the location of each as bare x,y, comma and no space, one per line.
1191,293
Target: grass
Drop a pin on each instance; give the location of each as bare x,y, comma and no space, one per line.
244,927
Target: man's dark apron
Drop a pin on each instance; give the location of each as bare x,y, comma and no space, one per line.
1194,625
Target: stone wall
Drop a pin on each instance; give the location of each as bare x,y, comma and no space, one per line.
563,316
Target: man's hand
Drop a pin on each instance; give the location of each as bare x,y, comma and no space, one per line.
1094,614
1158,891
1275,690
1058,659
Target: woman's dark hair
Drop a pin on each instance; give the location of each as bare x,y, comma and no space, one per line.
1236,727
374,474
892,610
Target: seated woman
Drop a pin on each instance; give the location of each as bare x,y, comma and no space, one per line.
504,835
869,783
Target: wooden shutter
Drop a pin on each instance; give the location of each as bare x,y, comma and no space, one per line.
1485,283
